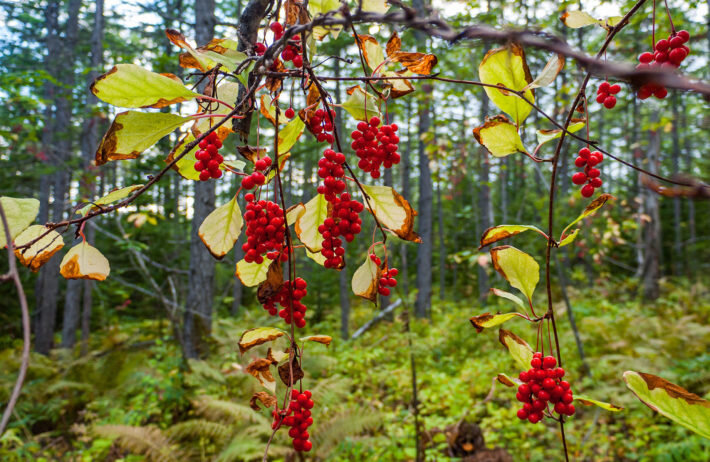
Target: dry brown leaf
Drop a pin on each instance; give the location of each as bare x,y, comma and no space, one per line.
266,399
274,280
394,44
419,63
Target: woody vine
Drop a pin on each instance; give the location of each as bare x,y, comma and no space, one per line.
246,78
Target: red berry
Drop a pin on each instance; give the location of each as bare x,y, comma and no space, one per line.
676,42
683,34
584,153
604,87
548,362
289,113
661,45
660,92
276,27
536,363
646,57
610,102
260,48
204,175
578,178
587,190
596,182
298,61
614,89
522,414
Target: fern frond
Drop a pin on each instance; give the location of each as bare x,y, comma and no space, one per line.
65,385
220,410
148,441
244,447
200,428
327,435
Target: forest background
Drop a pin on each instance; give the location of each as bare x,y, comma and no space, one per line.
110,379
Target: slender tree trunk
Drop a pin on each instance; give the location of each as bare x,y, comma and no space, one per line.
690,253
675,160
650,222
484,204
442,244
198,312
406,168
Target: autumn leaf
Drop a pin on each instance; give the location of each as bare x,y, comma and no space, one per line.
41,251
499,136
19,214
84,262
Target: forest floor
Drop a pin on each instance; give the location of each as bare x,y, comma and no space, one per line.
134,386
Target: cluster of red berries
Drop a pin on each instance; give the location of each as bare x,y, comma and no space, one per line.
292,52
605,94
300,406
590,175
542,385
283,298
322,125
208,157
345,222
666,53
265,230
375,146
257,178
387,279
330,168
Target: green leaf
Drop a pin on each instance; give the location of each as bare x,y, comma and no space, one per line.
133,132
591,209
252,274
543,136
361,105
113,196
290,134
497,233
517,347
307,224
569,238
186,165
593,402
577,19
257,336
243,76
129,85
323,6
507,67
499,136
392,211
221,229
84,262
513,298
672,401
518,268
365,280
508,381
486,320
228,92
41,251
19,213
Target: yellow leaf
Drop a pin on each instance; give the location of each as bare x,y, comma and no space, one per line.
392,211
499,136
518,268
366,279
221,228
258,336
307,224
517,347
19,214
84,262
252,274
497,233
113,196
41,251
486,320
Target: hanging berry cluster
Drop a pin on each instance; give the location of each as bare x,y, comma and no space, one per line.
387,280
375,146
322,125
283,298
345,221
590,175
265,230
542,385
669,52
292,52
208,157
299,419
257,178
330,169
605,94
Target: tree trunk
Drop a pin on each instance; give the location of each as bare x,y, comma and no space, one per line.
426,193
60,51
675,160
406,168
198,310
484,204
650,224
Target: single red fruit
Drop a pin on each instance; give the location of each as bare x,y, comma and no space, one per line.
662,45
548,362
290,113
684,34
604,87
260,48
587,190
646,57
610,102
536,363
614,89
577,178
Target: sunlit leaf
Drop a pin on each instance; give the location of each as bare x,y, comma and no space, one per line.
268,110
593,402
258,336
226,91
486,320
591,209
41,251
392,211
543,136
252,274
517,347
316,7
371,50
19,214
499,136
672,401
84,262
113,196
394,44
507,67
507,380
497,233
365,280
307,224
186,165
133,132
289,134
218,51
548,73
577,19
294,213
568,239
129,85
398,87
221,229
360,104
518,268
316,257
513,298
375,6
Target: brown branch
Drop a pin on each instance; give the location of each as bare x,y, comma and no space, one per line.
25,361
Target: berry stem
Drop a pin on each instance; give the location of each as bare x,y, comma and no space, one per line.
219,101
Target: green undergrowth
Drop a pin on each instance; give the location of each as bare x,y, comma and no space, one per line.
132,398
